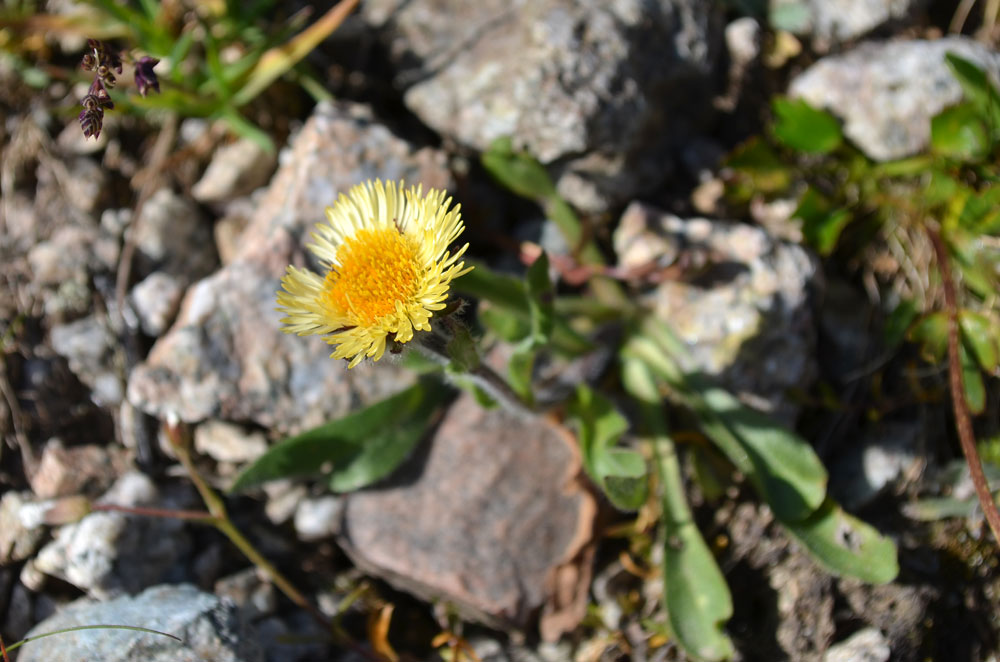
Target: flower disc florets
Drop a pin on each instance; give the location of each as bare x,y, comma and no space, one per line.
388,269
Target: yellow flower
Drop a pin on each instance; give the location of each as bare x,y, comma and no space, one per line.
387,269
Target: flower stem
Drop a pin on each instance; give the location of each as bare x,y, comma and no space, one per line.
436,344
220,520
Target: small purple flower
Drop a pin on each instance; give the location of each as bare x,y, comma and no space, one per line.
145,77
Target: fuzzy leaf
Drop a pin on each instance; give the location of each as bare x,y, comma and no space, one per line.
845,545
619,472
361,447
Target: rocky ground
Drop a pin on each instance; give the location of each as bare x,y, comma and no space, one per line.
140,271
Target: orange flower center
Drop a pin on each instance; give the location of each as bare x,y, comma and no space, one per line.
376,270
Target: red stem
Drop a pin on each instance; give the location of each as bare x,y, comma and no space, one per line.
963,418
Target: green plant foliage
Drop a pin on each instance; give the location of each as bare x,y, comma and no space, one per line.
361,448
621,473
801,127
851,208
845,545
821,225
781,465
959,132
977,88
696,595
540,294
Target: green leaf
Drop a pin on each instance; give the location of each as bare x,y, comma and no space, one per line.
931,333
981,213
517,171
845,545
782,465
978,263
804,128
977,87
619,472
502,290
959,132
540,294
981,334
757,170
696,594
938,508
898,323
821,225
794,17
362,447
972,381
519,371
508,295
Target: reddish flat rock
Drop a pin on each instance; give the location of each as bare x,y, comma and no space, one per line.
491,515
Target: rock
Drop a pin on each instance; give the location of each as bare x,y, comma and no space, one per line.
63,256
743,312
89,347
226,442
867,645
208,629
107,553
316,519
17,541
172,236
19,614
831,22
235,169
155,300
255,597
489,516
581,85
885,452
89,468
225,356
887,93
283,498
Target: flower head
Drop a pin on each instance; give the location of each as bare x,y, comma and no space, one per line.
388,269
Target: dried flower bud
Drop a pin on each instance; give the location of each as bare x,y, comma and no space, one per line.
145,77
91,122
109,80
88,62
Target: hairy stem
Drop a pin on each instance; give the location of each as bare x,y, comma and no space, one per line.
963,418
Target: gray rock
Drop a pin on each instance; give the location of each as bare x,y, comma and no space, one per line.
886,452
209,629
17,541
489,517
155,300
887,93
830,22
316,519
225,356
108,553
255,596
867,645
602,91
172,236
89,347
744,314
235,169
227,442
